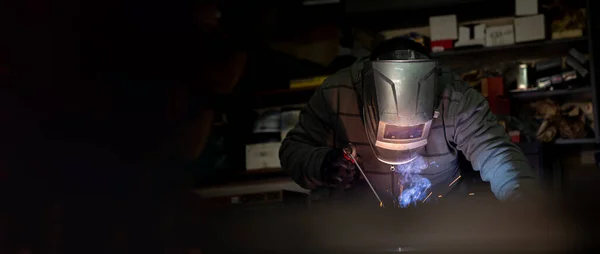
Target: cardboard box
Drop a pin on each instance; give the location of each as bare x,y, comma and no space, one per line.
530,28
526,7
263,156
499,35
471,35
443,28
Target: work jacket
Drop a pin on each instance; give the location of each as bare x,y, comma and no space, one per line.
332,119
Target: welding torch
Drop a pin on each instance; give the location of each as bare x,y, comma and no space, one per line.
349,152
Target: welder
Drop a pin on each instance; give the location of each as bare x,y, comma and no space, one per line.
406,120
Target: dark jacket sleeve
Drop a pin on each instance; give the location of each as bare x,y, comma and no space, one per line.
304,148
485,143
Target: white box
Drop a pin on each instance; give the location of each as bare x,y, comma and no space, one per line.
465,39
530,28
443,28
499,35
526,7
263,155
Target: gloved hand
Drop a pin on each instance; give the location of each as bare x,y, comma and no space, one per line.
338,171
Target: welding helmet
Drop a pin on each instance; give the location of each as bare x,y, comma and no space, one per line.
398,99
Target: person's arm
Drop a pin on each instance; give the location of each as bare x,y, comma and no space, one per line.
306,145
487,146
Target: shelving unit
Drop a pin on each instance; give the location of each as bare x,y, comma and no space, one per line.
460,57
576,141
514,47
593,12
540,94
471,57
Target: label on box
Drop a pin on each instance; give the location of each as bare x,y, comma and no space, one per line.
499,35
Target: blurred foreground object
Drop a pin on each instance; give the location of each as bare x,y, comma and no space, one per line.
489,227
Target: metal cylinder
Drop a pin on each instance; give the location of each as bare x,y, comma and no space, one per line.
522,82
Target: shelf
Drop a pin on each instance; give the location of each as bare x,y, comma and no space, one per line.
459,51
576,141
250,187
538,94
473,57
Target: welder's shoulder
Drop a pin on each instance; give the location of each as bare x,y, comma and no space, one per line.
455,87
336,87
341,79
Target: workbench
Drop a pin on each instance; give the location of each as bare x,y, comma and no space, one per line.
263,191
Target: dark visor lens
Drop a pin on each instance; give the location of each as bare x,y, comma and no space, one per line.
403,132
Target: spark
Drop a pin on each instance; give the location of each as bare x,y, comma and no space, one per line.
401,188
459,176
427,197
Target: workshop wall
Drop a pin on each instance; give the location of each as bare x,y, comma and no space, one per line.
318,44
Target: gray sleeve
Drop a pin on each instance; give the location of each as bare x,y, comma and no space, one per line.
486,145
304,148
